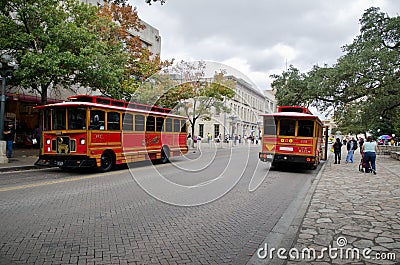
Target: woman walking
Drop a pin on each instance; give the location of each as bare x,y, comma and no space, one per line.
369,149
337,148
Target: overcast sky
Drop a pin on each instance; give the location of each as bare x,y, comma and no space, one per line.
259,38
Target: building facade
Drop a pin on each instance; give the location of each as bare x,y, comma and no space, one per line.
243,120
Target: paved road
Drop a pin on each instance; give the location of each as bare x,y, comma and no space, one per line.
54,217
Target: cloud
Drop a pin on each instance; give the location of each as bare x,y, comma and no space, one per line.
259,36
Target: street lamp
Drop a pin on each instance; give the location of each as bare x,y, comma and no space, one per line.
233,118
6,70
259,124
224,119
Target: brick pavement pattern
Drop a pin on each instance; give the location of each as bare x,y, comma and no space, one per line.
111,220
360,210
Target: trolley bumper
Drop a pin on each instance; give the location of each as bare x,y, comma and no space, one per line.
284,158
73,161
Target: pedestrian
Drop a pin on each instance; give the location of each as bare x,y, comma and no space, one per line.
369,149
9,134
361,143
208,137
337,149
36,135
351,147
189,140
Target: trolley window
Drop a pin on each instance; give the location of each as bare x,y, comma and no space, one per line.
97,120
177,125
168,124
113,121
76,118
287,127
47,120
269,126
127,122
59,120
150,124
183,126
306,128
159,124
139,123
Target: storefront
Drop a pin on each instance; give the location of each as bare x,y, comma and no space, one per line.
20,110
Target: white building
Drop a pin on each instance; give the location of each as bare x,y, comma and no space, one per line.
243,120
270,101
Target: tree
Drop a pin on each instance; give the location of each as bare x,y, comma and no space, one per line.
290,87
362,86
161,1
68,44
57,45
140,62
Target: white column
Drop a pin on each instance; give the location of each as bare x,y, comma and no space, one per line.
3,155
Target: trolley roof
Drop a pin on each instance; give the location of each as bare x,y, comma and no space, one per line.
107,103
296,115
290,114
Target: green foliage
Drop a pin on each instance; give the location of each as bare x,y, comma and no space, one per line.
361,87
161,1
66,44
56,44
290,87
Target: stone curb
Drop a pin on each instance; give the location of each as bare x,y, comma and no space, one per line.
18,168
286,230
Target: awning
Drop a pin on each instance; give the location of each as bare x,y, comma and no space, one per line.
30,98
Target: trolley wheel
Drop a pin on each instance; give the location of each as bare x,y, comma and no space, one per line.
107,162
164,155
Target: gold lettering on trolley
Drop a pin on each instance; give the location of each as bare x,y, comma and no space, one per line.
152,140
98,136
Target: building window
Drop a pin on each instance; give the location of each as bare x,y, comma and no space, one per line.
201,130
216,130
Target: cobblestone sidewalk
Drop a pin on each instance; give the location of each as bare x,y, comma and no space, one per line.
351,212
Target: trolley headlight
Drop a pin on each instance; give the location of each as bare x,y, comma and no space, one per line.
82,141
48,141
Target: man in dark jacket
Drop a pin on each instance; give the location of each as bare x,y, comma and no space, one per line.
351,147
337,148
9,133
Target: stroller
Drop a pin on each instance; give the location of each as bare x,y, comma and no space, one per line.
362,165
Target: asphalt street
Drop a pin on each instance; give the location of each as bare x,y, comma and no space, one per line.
215,206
